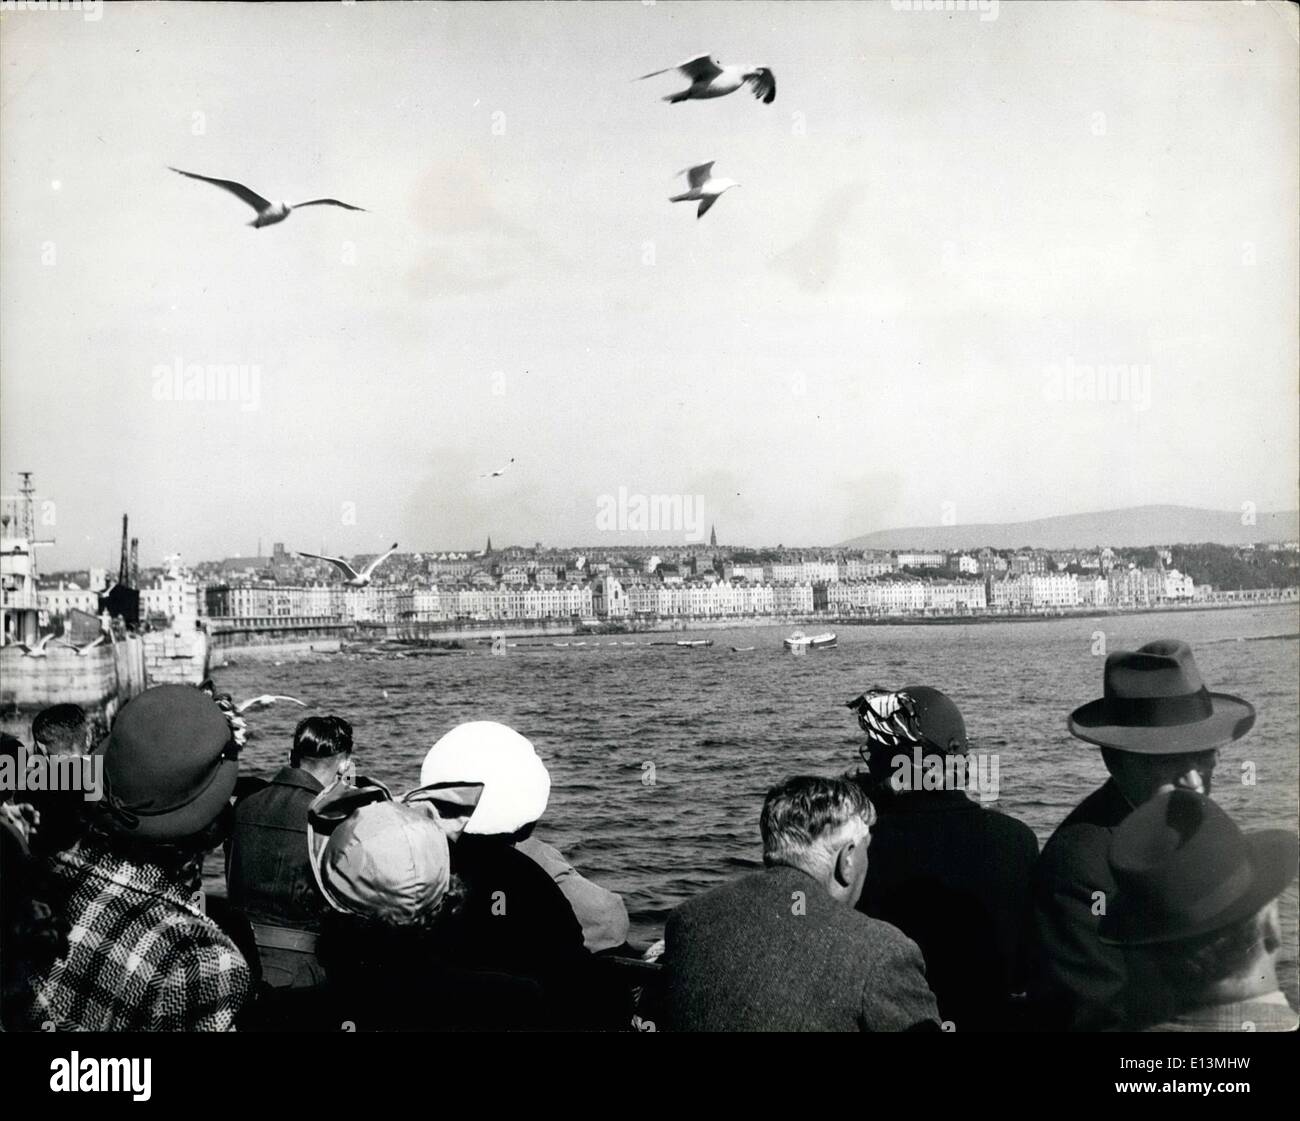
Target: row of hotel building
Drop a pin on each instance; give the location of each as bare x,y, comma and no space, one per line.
610,597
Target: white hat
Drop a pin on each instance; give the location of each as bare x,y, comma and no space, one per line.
515,782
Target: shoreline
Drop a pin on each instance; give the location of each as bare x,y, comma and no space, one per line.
266,646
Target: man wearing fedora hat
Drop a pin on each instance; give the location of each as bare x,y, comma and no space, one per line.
1196,905
142,954
1159,728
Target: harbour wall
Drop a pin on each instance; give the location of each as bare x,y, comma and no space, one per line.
100,680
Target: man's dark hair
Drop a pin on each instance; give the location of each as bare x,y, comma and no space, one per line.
61,728
320,737
799,810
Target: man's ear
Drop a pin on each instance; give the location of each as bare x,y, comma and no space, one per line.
1271,927
845,862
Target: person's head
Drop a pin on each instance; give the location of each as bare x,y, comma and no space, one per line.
1237,961
516,784
1159,728
1141,777
321,745
914,723
821,826
1196,899
170,767
62,730
378,860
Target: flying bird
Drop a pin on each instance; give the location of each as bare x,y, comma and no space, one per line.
264,700
499,472
268,213
354,579
38,650
703,187
709,78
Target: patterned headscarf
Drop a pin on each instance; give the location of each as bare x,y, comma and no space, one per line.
889,718
915,716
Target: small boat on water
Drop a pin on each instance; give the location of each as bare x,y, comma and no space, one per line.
801,643
695,642
742,649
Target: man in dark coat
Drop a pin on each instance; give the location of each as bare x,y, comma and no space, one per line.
783,949
1159,729
951,873
268,875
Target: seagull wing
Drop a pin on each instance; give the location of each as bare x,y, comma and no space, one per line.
338,562
701,68
326,202
368,571
762,83
699,175
256,201
264,700
705,203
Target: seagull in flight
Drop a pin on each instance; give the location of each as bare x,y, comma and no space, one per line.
38,650
709,78
268,213
354,579
703,187
499,472
264,700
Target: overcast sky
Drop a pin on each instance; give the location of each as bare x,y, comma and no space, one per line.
943,221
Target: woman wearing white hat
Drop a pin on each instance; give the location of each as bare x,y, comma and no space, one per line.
516,916
516,787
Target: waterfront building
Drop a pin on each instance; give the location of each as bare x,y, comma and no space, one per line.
171,597
1011,593
792,599
957,597
420,605
609,599
1093,591
1053,590
1135,587
60,602
1179,587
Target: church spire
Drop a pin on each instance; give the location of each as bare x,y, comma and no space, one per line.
713,537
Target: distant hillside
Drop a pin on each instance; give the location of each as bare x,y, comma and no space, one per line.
1139,525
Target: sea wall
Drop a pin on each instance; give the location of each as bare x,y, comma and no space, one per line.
100,680
227,638
176,657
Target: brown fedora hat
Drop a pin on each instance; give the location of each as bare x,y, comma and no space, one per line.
1182,868
1155,703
